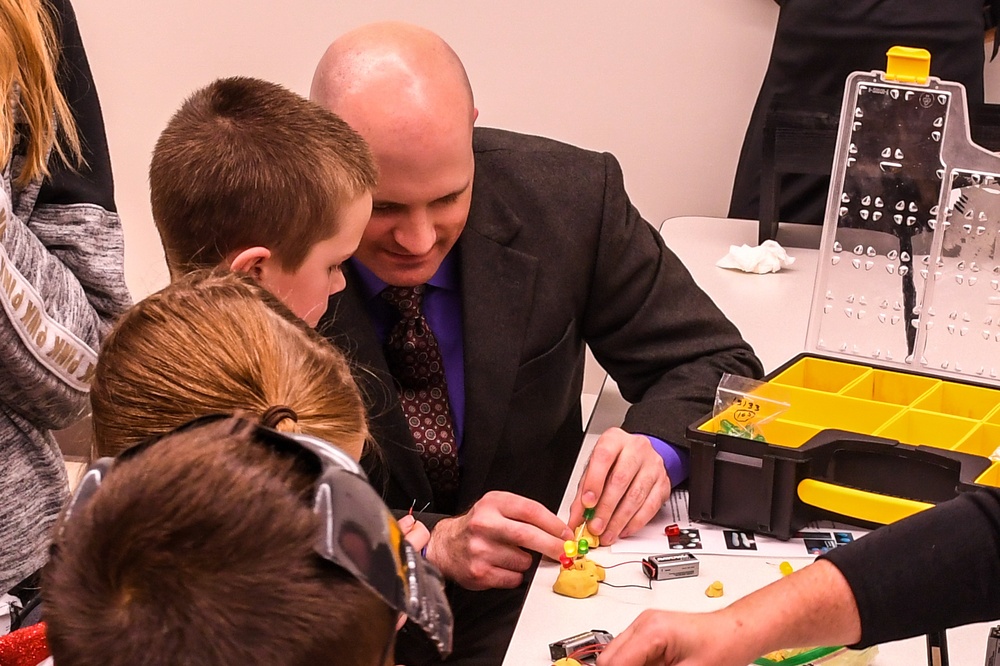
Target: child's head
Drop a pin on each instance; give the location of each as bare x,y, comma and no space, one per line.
253,176
214,342
205,548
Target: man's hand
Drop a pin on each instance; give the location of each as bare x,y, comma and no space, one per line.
625,482
487,546
676,639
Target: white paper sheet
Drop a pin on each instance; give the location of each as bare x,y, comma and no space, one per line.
706,539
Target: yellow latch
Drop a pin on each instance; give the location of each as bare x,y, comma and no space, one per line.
907,64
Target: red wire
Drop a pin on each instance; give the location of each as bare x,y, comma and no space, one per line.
586,651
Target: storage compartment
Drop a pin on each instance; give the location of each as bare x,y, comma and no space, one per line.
894,387
971,402
983,441
927,428
820,375
991,477
788,434
829,410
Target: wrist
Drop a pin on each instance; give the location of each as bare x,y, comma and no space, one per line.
433,551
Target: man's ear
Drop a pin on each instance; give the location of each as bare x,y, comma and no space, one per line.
250,261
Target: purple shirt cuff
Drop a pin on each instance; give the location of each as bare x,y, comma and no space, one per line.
675,459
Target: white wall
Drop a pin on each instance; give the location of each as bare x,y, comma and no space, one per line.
665,85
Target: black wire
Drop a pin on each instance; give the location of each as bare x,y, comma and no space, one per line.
647,586
612,566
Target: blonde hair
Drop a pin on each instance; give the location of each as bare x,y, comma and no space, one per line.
217,342
29,53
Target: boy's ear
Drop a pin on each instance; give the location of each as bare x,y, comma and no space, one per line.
250,261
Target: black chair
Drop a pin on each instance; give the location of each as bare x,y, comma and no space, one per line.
800,136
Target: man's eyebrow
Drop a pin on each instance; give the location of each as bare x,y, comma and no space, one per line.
455,193
389,203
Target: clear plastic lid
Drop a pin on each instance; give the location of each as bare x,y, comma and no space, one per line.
909,275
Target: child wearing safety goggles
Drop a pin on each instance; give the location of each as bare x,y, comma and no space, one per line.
225,542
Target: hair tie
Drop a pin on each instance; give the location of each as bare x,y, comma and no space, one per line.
275,415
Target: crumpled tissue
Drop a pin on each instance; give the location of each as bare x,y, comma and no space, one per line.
768,257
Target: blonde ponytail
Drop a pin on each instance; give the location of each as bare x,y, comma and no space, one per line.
215,342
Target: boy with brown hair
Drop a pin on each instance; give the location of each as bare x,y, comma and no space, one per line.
228,543
253,176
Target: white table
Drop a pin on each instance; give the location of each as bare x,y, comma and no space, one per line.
771,311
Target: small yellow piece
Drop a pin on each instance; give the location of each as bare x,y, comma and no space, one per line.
785,568
907,64
570,548
566,661
714,590
583,533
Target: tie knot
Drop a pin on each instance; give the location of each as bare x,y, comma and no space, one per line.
405,299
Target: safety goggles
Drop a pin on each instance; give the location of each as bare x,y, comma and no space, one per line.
357,531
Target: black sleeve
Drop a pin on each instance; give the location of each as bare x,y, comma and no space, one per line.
92,181
937,569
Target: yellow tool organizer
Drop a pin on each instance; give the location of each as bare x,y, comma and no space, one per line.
895,405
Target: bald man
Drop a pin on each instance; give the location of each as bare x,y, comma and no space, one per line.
522,251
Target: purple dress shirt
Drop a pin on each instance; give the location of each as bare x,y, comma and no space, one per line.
443,310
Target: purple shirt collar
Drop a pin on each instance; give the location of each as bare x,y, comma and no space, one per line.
446,277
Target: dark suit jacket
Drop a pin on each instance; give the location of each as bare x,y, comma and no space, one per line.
554,256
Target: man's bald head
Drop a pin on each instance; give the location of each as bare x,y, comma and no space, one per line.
406,92
409,66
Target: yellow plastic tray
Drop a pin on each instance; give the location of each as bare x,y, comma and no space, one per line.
916,410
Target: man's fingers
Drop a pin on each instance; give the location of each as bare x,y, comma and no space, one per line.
602,459
530,537
618,483
643,498
509,558
530,513
654,501
497,577
576,508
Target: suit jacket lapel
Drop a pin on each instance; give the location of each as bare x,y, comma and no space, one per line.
348,326
497,283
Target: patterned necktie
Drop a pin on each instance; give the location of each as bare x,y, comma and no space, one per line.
414,359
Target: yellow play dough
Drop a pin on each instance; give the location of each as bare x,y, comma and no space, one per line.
579,581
